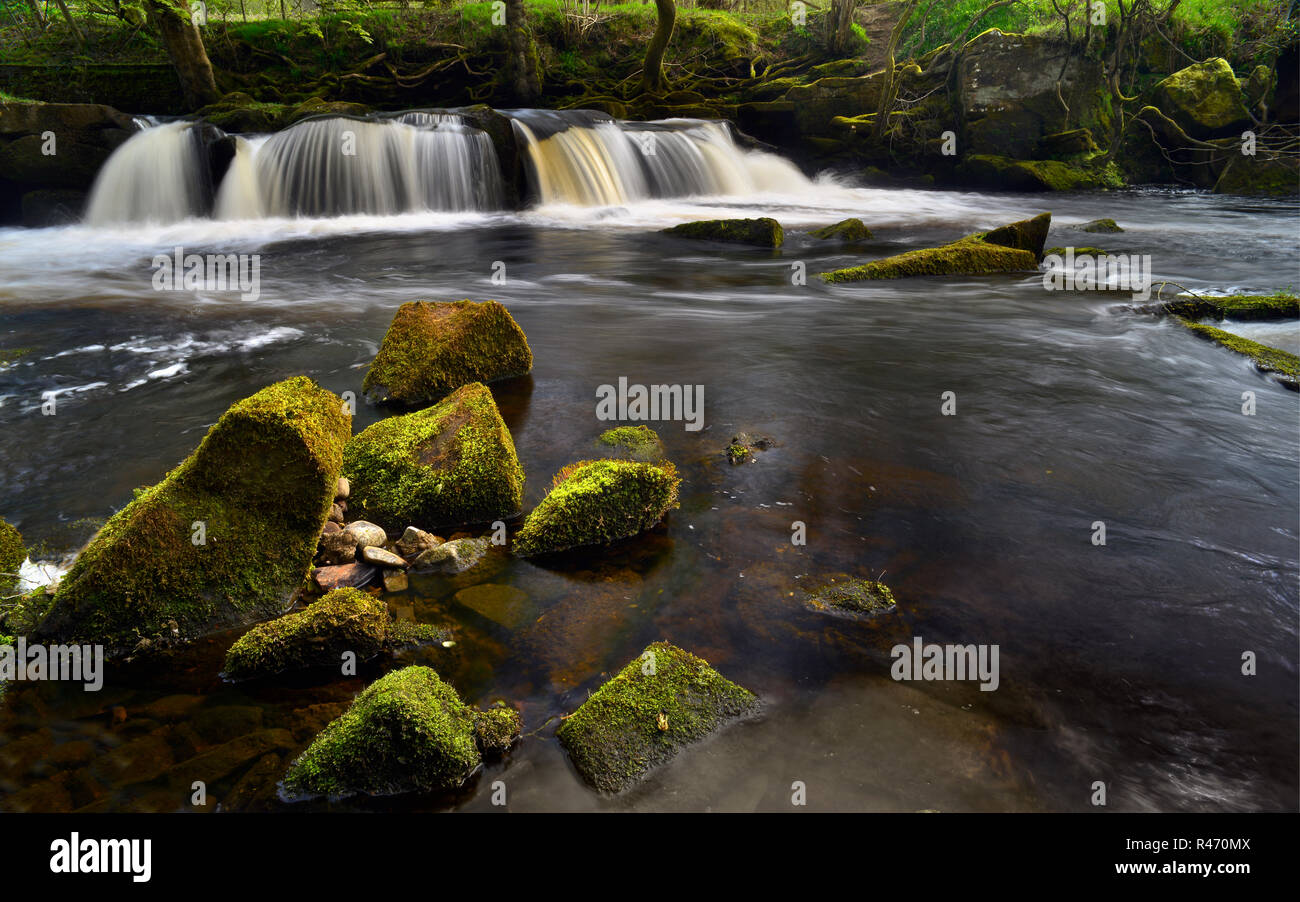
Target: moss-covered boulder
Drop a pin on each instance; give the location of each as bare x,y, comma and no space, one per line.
1281,365
451,464
595,502
969,256
225,538
12,555
659,703
407,732
1205,99
1001,173
1280,306
344,620
635,442
852,596
1101,226
846,231
1263,175
1026,234
432,349
763,232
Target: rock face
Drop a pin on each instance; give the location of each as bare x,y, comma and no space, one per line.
664,700
453,463
1205,99
596,502
432,349
407,732
12,555
84,135
763,232
344,620
225,538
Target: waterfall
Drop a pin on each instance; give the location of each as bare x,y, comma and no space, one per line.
156,176
580,157
238,197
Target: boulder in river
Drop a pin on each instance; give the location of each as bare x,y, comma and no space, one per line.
1205,99
846,231
662,701
224,539
1100,226
455,556
1281,365
450,464
345,620
595,502
635,442
762,232
1025,234
972,255
407,732
850,595
432,349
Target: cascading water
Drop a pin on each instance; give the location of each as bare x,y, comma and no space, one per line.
581,157
156,176
423,161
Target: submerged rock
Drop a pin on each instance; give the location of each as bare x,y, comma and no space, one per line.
1281,365
596,502
344,576
637,442
225,538
407,732
453,463
432,349
744,445
855,596
344,620
659,703
763,232
848,230
455,556
1205,99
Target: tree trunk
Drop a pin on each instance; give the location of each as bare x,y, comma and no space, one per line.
840,25
889,90
184,46
72,23
36,11
652,76
524,82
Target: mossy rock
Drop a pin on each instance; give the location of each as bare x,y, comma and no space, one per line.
1281,306
596,502
1006,174
1282,365
239,112
318,106
451,464
407,732
1076,142
496,728
661,702
1205,99
1078,251
853,596
12,554
634,442
345,620
431,349
1263,175
969,256
763,232
1025,234
1101,226
847,231
261,484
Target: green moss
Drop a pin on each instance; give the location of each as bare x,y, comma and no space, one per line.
1101,226
407,732
1026,234
1263,175
496,728
1007,174
12,554
344,620
1285,367
451,464
763,232
597,502
969,256
1205,99
638,442
1238,306
431,349
738,453
1078,251
9,356
847,230
261,484
664,700
856,596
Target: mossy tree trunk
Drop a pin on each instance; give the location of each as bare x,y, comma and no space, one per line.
523,76
174,23
839,26
652,75
889,90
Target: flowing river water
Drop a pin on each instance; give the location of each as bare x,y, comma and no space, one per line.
1119,663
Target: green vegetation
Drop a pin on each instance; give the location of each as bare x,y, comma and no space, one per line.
12,554
1236,306
345,620
637,442
596,502
225,538
847,231
451,464
1284,366
664,700
762,232
856,596
969,256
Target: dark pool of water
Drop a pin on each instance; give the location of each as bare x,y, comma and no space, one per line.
1119,663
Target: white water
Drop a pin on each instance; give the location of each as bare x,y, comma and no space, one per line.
154,177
